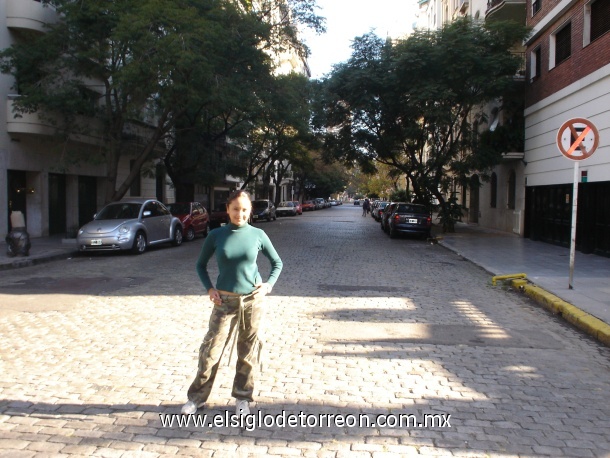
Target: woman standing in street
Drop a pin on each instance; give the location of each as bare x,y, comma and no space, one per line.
237,298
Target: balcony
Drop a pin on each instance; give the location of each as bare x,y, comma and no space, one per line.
29,14
27,124
506,10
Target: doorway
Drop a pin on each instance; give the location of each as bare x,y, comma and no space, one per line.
57,204
475,186
16,183
87,199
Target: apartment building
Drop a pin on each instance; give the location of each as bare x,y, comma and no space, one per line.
567,75
568,56
56,196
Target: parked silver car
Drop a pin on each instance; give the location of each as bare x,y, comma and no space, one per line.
130,224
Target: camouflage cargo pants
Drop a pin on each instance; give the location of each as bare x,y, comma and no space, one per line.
236,314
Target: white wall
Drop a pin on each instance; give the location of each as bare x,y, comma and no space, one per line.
588,98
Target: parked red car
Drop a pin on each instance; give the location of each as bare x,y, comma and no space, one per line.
308,206
219,216
299,207
194,217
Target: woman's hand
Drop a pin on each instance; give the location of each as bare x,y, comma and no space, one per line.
214,296
262,289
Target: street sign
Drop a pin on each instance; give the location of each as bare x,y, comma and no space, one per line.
577,139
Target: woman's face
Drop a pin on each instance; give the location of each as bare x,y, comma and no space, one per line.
239,210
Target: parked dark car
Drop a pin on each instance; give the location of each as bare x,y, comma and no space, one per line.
218,217
383,219
407,218
263,209
130,224
194,218
378,209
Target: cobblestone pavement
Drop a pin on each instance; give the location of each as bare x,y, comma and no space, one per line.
95,349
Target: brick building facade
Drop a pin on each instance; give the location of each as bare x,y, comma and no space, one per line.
568,63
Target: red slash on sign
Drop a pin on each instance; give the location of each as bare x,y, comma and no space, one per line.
577,139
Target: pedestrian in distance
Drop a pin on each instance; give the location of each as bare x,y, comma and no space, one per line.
238,309
366,207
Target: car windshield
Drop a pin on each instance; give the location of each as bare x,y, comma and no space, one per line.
119,211
179,209
259,204
409,208
286,204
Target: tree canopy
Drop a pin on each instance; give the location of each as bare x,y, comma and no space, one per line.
411,104
146,68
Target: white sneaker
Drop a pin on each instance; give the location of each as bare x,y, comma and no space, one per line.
190,408
242,407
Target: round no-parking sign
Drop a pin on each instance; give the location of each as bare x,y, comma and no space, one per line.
577,139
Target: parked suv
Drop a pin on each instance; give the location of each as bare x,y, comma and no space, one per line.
263,209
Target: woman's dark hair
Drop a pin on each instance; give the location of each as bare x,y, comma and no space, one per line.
236,194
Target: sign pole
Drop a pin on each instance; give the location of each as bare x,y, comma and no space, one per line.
577,140
573,233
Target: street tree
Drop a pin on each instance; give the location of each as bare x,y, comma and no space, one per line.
411,104
278,134
215,139
137,68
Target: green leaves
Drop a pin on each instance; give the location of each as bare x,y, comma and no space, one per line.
411,104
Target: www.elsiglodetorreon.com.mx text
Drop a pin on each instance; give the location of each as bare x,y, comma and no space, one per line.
302,420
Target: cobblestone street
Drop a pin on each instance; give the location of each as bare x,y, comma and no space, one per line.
95,348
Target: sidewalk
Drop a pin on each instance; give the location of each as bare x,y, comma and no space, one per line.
547,266
44,249
500,253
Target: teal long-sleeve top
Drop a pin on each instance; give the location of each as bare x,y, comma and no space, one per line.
236,249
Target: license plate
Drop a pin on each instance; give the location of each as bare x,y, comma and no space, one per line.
96,242
412,221
254,216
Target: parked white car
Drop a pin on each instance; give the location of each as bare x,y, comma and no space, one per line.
286,209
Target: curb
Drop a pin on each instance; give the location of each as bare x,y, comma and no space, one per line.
20,262
582,320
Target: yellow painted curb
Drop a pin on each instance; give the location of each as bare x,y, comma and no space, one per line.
582,320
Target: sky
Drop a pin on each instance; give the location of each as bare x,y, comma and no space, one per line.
347,19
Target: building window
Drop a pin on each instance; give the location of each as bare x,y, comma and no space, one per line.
512,190
560,45
494,190
536,5
535,64
596,20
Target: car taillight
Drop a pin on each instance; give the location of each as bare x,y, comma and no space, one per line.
396,217
429,221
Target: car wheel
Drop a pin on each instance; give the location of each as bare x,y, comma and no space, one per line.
392,233
139,243
190,234
269,217
206,231
177,236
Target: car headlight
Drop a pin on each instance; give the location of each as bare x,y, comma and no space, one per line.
81,232
124,229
